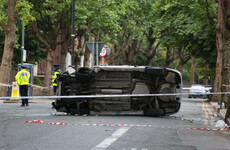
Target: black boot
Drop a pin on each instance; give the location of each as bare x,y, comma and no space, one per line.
23,103
27,102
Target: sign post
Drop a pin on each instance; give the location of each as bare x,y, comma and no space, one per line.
98,46
103,54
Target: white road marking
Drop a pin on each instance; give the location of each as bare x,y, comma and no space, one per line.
108,141
134,149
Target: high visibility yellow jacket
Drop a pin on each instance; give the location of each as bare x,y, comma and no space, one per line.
54,78
23,77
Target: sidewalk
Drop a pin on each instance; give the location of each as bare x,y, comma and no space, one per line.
222,112
44,101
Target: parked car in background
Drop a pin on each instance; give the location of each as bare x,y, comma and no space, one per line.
199,91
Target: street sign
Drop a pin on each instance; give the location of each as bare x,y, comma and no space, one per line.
24,56
103,52
108,49
93,46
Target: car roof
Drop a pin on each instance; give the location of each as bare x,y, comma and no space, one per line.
197,86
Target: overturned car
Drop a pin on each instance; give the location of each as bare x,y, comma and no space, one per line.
119,81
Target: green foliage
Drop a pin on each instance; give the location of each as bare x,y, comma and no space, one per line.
190,24
3,12
97,16
24,8
51,16
174,23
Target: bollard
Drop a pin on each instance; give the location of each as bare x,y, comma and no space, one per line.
15,91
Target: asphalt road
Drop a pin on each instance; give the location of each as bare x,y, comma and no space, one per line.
110,131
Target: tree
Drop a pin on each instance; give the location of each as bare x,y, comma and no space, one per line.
137,35
224,22
220,29
133,28
8,24
49,26
96,19
189,27
9,14
170,56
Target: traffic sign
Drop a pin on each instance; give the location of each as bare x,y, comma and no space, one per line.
108,49
103,52
93,46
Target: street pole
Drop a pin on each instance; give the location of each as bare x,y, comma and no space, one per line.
93,52
23,37
73,31
22,46
97,53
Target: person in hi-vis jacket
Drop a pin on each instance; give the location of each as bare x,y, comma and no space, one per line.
22,78
57,71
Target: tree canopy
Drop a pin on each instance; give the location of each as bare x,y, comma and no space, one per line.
146,32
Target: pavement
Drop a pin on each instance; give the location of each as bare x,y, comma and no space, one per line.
222,112
44,101
215,105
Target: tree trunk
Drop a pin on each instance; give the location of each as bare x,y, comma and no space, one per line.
48,71
193,66
170,56
181,66
219,45
10,37
86,60
226,55
64,50
63,59
184,57
151,50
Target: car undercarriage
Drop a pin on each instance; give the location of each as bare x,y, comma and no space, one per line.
120,80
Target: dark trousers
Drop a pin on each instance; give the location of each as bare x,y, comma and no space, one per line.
55,90
24,93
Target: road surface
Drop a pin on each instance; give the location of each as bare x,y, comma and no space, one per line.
35,128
